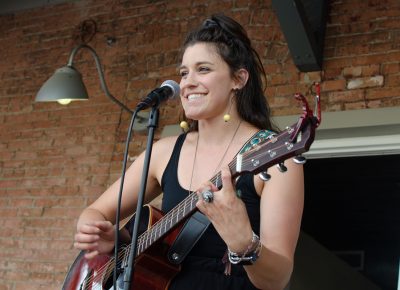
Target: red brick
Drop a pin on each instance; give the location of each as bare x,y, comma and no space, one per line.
356,106
345,96
333,85
382,93
21,202
352,71
390,68
55,160
392,80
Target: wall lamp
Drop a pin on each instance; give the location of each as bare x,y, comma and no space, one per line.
66,84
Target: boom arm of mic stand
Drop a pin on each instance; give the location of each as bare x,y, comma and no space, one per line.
153,123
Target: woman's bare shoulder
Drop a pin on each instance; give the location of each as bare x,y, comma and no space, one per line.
166,143
162,149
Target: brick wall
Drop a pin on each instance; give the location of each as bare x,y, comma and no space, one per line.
54,160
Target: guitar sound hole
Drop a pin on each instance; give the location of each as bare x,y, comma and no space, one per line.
144,222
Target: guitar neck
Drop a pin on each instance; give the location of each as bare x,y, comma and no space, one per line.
169,221
175,216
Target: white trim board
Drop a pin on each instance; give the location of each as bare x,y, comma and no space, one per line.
353,133
345,133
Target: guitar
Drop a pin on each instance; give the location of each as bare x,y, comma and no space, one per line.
153,271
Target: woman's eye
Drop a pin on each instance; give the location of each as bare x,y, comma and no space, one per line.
204,69
183,73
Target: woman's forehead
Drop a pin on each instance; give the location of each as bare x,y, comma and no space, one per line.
201,52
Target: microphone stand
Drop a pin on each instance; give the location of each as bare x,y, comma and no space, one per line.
153,123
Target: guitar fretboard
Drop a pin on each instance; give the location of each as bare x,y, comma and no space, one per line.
175,216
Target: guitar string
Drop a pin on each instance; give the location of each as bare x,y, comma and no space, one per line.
107,268
122,254
190,198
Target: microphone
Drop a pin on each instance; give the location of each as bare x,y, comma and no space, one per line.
168,90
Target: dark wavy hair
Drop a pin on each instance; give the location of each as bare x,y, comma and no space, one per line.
234,46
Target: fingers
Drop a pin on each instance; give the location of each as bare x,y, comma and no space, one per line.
207,186
227,187
90,235
91,255
227,179
90,247
90,229
87,238
104,226
96,228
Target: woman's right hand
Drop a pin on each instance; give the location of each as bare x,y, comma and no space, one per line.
96,238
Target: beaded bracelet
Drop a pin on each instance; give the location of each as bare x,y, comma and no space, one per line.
250,255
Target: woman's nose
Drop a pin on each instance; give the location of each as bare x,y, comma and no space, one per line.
189,80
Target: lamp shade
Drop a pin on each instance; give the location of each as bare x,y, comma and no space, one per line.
63,86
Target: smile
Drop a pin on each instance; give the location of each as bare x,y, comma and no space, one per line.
195,96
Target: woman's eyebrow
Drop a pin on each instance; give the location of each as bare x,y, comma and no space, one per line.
196,64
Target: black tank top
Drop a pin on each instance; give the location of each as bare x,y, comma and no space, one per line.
210,245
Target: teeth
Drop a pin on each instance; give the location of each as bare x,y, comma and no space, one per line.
194,96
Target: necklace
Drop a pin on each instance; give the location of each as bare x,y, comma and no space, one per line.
223,156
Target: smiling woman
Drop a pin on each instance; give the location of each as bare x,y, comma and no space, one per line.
207,86
254,225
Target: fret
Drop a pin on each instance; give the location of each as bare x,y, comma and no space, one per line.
151,236
145,240
141,246
217,180
148,238
160,226
160,229
182,213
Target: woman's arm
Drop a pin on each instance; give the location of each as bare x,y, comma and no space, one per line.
95,227
281,210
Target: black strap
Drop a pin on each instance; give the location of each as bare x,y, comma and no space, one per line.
190,233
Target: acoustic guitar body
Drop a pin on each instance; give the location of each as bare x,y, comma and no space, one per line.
152,270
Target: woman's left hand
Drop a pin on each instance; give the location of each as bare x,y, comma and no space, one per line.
227,212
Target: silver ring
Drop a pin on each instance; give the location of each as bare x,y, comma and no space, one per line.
208,196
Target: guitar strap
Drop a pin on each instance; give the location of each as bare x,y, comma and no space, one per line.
190,233
197,224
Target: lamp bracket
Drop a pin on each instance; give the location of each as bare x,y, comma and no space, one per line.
100,71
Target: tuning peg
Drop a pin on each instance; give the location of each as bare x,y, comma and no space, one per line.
281,167
300,159
264,176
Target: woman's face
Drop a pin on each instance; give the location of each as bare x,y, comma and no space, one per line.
206,82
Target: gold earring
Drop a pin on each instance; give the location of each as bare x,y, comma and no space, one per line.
184,125
227,116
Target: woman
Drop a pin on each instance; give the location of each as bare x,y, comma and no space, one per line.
222,97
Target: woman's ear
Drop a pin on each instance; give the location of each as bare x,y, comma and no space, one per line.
241,77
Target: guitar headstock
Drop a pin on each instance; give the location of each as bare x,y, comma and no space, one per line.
276,149
291,142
